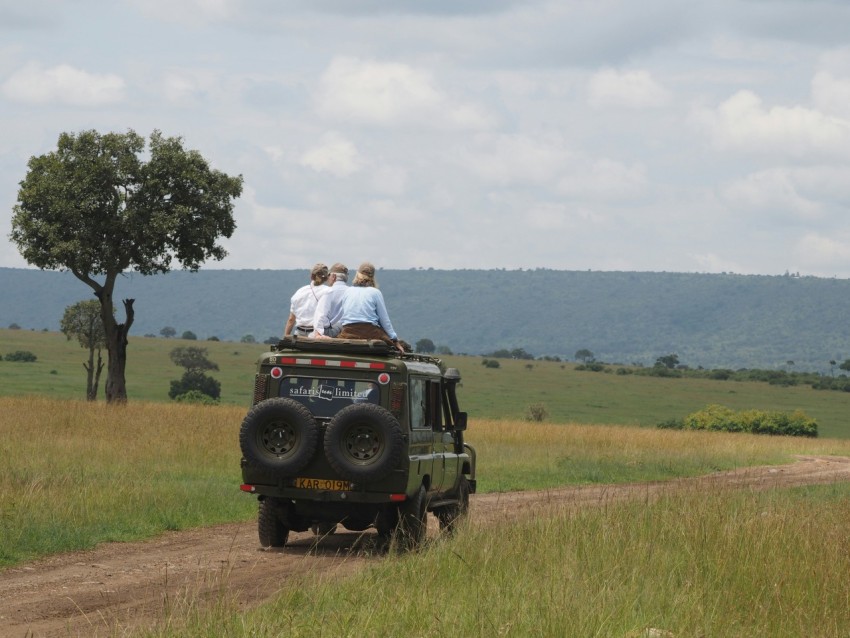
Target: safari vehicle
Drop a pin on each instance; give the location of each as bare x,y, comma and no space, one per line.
353,433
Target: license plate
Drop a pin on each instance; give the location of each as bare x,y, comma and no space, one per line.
322,484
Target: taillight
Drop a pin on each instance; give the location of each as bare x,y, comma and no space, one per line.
247,488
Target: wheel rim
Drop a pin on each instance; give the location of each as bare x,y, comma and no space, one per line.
279,438
363,444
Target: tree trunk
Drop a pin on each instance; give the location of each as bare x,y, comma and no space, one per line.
116,346
93,374
97,375
115,334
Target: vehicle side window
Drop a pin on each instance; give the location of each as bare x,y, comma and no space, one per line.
434,414
417,393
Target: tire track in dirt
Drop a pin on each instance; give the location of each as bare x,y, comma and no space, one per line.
118,587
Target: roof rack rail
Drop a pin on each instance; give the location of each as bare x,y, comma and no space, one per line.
343,346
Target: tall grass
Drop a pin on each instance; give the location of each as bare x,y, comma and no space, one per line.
517,455
690,564
75,474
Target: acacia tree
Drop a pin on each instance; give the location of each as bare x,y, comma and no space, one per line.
97,207
82,322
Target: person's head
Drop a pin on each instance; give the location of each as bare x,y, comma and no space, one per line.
365,275
338,272
319,274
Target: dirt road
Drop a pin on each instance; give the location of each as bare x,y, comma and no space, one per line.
121,586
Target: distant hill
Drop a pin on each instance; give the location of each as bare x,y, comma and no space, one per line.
709,320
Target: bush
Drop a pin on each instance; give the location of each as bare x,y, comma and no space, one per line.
188,334
194,380
197,397
720,418
21,355
490,363
536,412
593,366
671,424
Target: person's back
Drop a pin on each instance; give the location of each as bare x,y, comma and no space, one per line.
302,306
327,321
364,313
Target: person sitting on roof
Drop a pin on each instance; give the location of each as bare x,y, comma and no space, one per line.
303,303
327,322
364,313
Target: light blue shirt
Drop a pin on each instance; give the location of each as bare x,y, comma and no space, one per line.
364,304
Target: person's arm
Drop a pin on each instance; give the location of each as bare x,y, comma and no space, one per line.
290,324
383,316
320,316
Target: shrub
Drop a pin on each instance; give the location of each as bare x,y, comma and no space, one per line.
720,418
721,374
21,355
188,334
672,424
593,366
194,380
197,397
536,412
490,363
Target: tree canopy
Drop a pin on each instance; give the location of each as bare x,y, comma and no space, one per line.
96,207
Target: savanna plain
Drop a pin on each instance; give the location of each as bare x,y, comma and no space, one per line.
694,561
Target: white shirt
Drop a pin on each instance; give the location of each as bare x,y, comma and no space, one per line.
329,308
303,303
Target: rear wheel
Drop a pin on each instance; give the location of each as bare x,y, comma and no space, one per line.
412,521
451,515
272,525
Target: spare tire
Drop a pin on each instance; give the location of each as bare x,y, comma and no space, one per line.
363,442
279,435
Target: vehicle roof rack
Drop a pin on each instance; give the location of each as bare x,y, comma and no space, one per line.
340,346
374,347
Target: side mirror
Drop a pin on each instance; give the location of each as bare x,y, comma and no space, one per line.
460,422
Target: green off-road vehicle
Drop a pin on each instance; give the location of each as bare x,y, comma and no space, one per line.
352,433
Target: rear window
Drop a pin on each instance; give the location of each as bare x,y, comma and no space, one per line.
326,397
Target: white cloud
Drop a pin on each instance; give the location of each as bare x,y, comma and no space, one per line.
64,84
334,155
604,179
514,159
831,94
824,255
391,93
190,12
742,123
773,192
626,89
189,87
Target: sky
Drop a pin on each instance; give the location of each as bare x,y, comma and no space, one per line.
663,135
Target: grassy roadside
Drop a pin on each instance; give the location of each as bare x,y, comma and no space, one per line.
693,564
76,474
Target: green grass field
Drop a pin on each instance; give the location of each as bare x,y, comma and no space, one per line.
505,392
75,474
737,565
